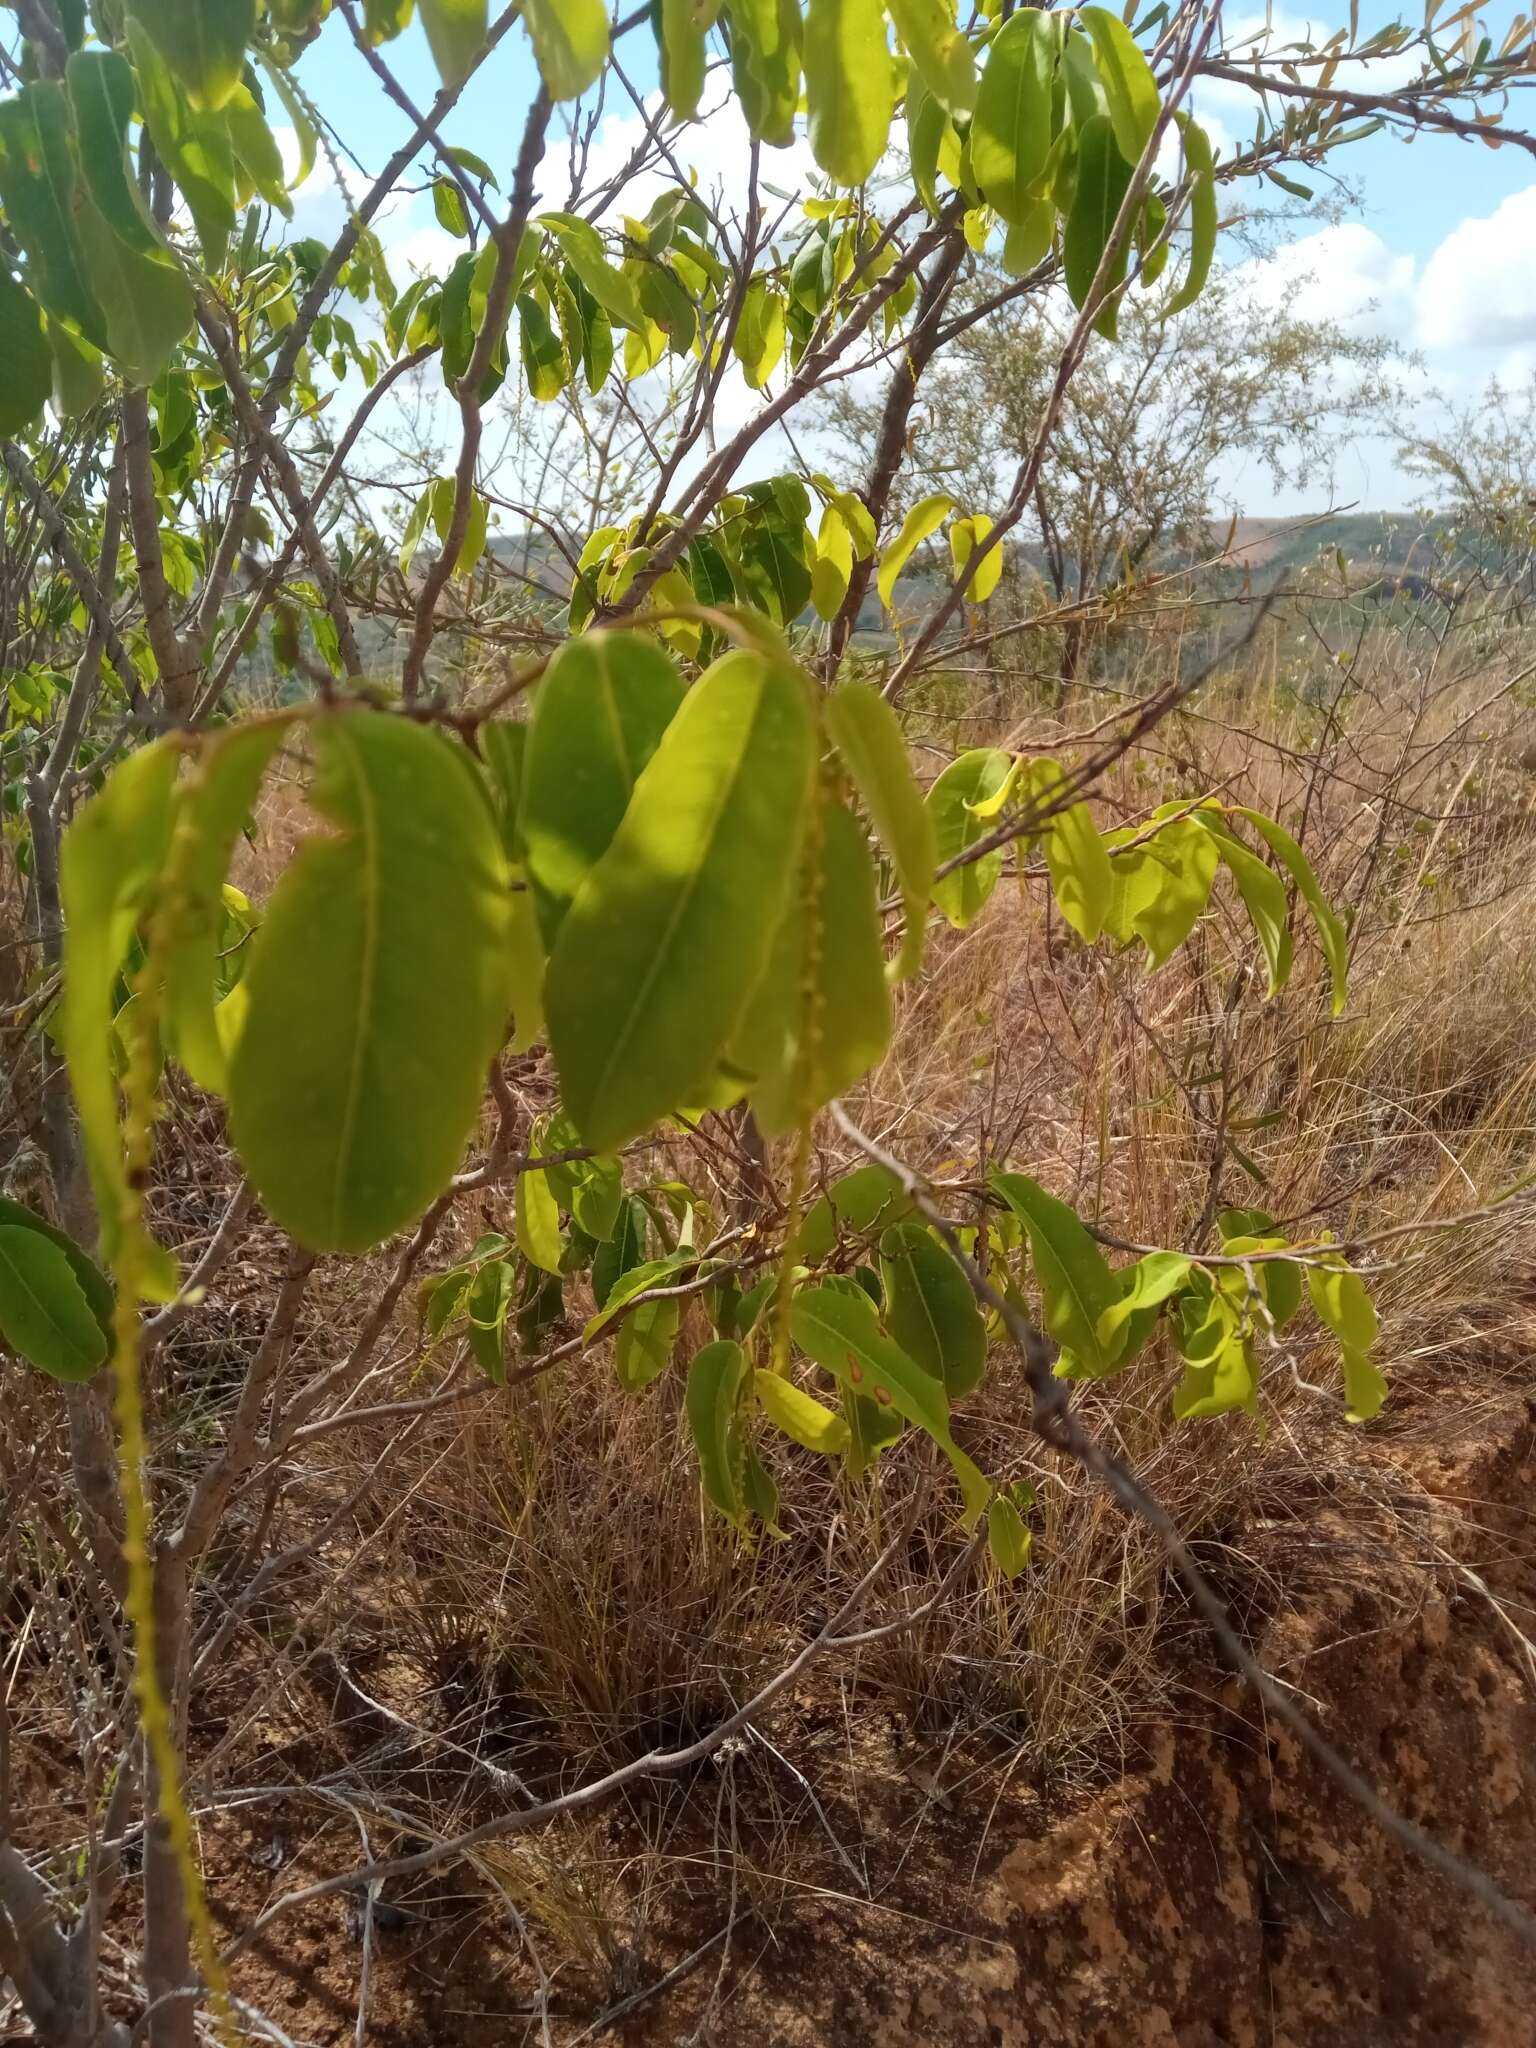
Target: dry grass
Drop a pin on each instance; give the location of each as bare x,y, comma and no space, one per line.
540,1588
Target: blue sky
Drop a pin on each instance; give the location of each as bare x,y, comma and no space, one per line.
1439,253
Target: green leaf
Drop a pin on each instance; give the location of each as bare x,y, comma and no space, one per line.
92,1282
868,737
1162,887
714,1394
1076,1286
1263,893
850,86
670,931
833,567
841,1332
1146,1285
570,42
765,38
487,1305
307,142
1102,178
758,343
939,50
195,148
800,1415
388,938
972,778
1007,1537
680,27
448,205
203,43
1202,214
1129,86
1330,929
110,862
582,247
44,1315
544,362
823,1016
100,85
599,715
926,517
857,1205
1010,136
622,1252
1339,1295
77,375
1080,870
537,1223
930,1309
40,189
643,1349
927,126
1219,1373
148,301
213,807
25,352
456,34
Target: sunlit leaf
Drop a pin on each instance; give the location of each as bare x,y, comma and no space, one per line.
926,517
203,43
939,50
850,86
1127,78
800,1415
670,932
598,717
974,777
1010,136
456,35
570,42
1076,1286
388,939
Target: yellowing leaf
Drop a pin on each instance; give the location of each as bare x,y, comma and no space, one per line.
926,517
800,1415
455,35
973,778
965,536
938,49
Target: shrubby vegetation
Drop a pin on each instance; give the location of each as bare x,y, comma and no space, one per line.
520,973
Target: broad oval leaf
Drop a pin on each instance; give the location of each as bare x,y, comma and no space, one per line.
1080,872
926,517
857,1204
213,807
842,1333
930,1309
714,1393
975,777
965,537
868,736
93,1283
1129,86
939,50
41,191
1007,1537
598,717
850,86
377,988
1103,176
1076,1286
671,930
1339,1295
1146,1285
570,43
100,86
203,42
110,860
822,1017
1262,892
455,35
1010,136
44,1315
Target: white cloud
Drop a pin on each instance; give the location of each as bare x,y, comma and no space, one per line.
1478,289
1345,273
